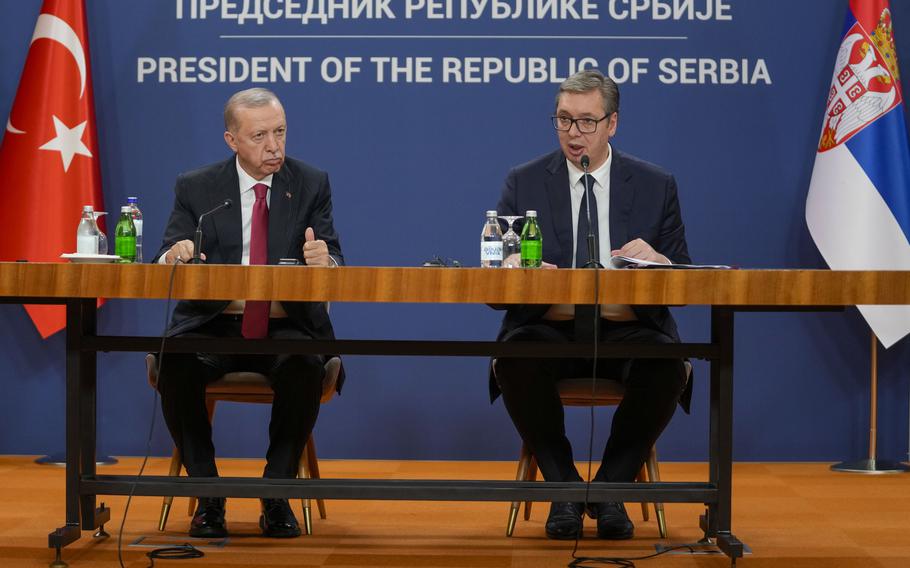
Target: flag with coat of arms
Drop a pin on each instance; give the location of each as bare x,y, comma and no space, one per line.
49,153
858,207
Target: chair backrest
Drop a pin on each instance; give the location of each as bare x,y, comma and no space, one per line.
249,387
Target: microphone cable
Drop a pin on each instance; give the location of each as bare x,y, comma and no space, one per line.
596,341
624,562
171,552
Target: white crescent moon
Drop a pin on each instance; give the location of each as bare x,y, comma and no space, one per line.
53,28
12,129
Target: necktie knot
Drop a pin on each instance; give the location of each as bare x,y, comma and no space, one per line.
260,189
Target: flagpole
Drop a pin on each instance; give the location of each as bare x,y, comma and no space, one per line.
871,465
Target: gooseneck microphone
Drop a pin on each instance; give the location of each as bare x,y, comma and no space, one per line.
197,238
593,253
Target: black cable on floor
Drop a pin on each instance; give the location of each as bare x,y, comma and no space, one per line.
184,551
584,561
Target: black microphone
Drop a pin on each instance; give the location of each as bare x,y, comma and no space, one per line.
197,238
593,256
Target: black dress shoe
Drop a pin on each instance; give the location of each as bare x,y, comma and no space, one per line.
277,520
208,522
564,522
613,522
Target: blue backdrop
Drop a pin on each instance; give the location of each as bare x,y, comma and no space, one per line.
415,164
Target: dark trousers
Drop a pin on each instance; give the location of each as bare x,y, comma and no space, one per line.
295,379
653,387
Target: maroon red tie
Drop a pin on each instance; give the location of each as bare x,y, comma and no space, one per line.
256,313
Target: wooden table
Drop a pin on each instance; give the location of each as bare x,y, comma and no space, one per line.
726,291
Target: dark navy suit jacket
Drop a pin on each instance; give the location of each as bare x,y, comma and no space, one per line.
300,197
643,204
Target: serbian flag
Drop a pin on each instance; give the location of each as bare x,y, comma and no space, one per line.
858,209
49,153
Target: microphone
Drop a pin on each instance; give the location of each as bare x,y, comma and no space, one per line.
593,256
197,238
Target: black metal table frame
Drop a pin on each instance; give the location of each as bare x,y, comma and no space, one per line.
83,484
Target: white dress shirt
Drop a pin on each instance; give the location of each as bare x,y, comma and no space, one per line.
601,189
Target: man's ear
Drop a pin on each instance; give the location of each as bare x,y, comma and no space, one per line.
230,141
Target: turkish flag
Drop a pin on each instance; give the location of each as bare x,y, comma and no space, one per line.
49,153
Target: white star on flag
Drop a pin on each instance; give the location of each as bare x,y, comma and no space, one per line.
68,142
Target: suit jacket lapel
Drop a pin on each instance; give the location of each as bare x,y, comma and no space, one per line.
621,196
227,224
557,186
281,207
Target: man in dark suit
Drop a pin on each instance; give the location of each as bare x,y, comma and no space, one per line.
635,212
280,207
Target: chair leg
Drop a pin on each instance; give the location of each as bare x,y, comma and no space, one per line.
643,477
654,475
304,473
524,461
532,476
173,471
313,463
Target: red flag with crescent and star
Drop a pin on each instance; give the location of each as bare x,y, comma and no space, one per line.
49,154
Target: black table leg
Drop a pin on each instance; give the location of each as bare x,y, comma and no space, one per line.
717,523
92,516
75,367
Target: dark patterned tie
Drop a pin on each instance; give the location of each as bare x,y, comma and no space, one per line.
585,318
256,313
581,239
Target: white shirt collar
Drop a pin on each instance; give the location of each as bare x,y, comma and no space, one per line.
601,175
246,180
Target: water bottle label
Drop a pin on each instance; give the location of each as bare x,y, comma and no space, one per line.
531,253
125,247
138,224
87,244
491,250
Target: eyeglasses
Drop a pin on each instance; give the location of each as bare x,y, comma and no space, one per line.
584,125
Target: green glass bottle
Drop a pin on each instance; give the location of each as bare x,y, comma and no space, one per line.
531,242
125,236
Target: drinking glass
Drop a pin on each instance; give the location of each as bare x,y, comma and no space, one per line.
511,243
102,238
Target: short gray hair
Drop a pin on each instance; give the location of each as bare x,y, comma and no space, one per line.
249,98
589,80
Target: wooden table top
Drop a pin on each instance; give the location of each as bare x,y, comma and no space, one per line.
457,285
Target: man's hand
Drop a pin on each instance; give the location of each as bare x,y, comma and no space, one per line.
641,250
182,250
315,251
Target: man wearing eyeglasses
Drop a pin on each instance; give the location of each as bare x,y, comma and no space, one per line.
633,212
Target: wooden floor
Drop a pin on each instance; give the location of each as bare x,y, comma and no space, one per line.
791,515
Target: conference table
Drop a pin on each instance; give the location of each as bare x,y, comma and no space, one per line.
78,286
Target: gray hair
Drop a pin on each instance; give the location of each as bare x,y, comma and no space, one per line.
250,98
589,80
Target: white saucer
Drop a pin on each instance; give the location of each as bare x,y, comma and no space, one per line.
79,257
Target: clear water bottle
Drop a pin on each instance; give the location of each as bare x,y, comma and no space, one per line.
125,236
531,242
491,242
86,232
136,214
